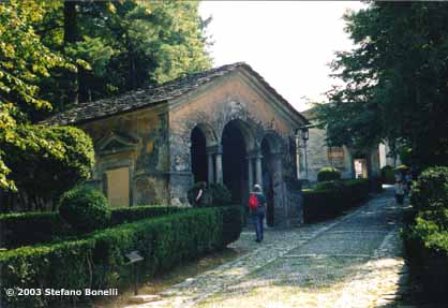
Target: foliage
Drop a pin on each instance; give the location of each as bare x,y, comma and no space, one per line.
64,158
85,209
133,213
19,229
221,196
85,50
329,185
426,236
125,44
24,60
213,195
395,81
98,260
332,198
328,174
431,189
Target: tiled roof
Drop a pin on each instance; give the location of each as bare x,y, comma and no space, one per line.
136,99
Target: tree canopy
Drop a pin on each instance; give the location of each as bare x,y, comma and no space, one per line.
54,54
24,60
396,81
122,45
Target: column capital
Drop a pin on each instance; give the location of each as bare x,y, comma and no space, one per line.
255,154
214,149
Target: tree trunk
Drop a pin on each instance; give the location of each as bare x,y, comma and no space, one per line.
71,36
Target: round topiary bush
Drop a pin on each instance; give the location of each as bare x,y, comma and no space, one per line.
85,209
220,195
328,174
336,185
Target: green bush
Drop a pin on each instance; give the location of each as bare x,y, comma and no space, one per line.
431,189
46,171
85,209
98,260
19,229
388,175
329,185
220,195
213,195
328,174
331,198
133,213
426,236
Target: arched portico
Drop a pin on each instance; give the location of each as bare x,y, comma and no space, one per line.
238,140
203,145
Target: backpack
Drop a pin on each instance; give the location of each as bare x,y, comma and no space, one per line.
253,201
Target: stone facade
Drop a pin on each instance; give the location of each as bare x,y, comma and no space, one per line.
248,129
350,162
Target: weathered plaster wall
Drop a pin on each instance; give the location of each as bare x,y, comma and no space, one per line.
317,156
147,157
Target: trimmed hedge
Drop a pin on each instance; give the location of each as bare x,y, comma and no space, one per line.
331,198
19,229
328,174
98,260
426,236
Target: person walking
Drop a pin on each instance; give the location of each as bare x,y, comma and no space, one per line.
201,195
399,192
257,206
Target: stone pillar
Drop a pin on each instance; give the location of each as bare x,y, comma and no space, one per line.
258,170
218,165
250,171
210,170
281,210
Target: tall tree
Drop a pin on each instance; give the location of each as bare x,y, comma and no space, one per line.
24,61
127,44
396,87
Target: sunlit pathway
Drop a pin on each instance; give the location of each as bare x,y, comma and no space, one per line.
353,261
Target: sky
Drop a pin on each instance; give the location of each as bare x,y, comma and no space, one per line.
290,43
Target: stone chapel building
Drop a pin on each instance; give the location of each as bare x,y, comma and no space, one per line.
225,125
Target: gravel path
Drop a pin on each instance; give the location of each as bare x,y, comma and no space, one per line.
352,261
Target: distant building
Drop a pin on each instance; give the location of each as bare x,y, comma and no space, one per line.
352,163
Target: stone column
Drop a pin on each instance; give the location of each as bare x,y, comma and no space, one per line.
258,170
250,171
210,173
218,165
281,210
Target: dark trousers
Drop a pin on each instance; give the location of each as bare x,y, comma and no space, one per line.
257,219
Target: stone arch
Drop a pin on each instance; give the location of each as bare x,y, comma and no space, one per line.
273,139
237,141
209,133
202,138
